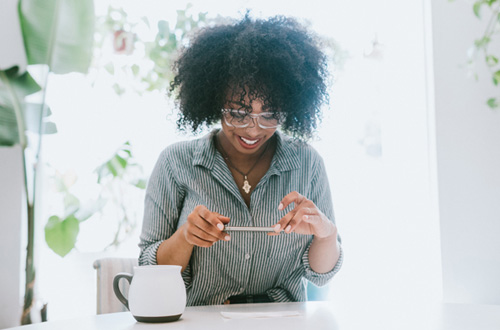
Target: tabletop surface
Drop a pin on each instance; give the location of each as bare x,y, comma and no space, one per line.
309,315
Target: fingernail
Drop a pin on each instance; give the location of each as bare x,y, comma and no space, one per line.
305,217
220,226
288,228
227,238
280,207
277,227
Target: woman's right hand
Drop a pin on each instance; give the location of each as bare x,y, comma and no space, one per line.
204,228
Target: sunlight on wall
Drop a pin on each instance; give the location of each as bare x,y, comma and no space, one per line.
374,140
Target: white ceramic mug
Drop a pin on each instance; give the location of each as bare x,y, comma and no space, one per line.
157,293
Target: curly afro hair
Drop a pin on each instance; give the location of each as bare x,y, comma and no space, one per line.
276,60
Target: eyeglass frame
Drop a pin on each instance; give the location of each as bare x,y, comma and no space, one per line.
253,116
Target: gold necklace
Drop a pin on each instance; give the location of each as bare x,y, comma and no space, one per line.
246,186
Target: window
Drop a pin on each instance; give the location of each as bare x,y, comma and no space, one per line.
374,140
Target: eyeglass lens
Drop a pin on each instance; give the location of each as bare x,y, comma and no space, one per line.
238,118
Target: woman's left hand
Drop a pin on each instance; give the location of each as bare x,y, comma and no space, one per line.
305,218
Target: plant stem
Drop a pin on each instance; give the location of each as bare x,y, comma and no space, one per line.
40,124
30,265
36,167
30,268
30,271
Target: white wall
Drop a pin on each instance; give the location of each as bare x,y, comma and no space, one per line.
10,249
468,160
10,36
11,181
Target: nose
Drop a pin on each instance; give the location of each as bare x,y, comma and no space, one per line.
253,129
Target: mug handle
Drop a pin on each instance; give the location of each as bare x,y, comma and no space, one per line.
116,287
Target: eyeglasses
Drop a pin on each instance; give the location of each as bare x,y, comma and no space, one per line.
241,118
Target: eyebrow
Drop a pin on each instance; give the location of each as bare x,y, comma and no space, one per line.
240,104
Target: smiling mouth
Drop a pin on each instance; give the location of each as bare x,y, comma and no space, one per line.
249,142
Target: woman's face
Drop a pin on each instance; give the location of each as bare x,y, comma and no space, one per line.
247,140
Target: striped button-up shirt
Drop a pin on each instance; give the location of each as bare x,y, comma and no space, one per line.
193,173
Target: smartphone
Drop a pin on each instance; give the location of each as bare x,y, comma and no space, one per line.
236,228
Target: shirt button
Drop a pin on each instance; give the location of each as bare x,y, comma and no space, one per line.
247,256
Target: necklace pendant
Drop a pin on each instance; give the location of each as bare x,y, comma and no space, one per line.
246,185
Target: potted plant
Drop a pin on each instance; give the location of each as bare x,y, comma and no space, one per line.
58,38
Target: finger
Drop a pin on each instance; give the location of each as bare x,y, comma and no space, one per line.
200,242
209,229
310,215
294,222
214,218
283,223
196,224
293,218
194,239
302,215
225,220
306,214
212,223
203,234
293,197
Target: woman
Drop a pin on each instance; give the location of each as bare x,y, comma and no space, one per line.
254,77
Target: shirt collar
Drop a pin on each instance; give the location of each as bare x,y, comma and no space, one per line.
285,158
204,153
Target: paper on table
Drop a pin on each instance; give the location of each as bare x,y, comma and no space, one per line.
248,315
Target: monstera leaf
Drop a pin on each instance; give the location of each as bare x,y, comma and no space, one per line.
58,33
16,115
14,87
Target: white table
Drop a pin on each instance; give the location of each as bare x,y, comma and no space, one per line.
313,316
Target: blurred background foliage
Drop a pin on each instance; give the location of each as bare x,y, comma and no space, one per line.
118,177
116,36
128,35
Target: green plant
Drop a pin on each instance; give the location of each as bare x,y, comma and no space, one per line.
58,36
481,50
116,177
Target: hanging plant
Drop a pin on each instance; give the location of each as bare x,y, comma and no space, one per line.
481,51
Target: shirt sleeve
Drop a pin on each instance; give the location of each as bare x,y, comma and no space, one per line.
320,279
161,210
321,196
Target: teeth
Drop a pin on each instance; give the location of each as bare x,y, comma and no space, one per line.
250,142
